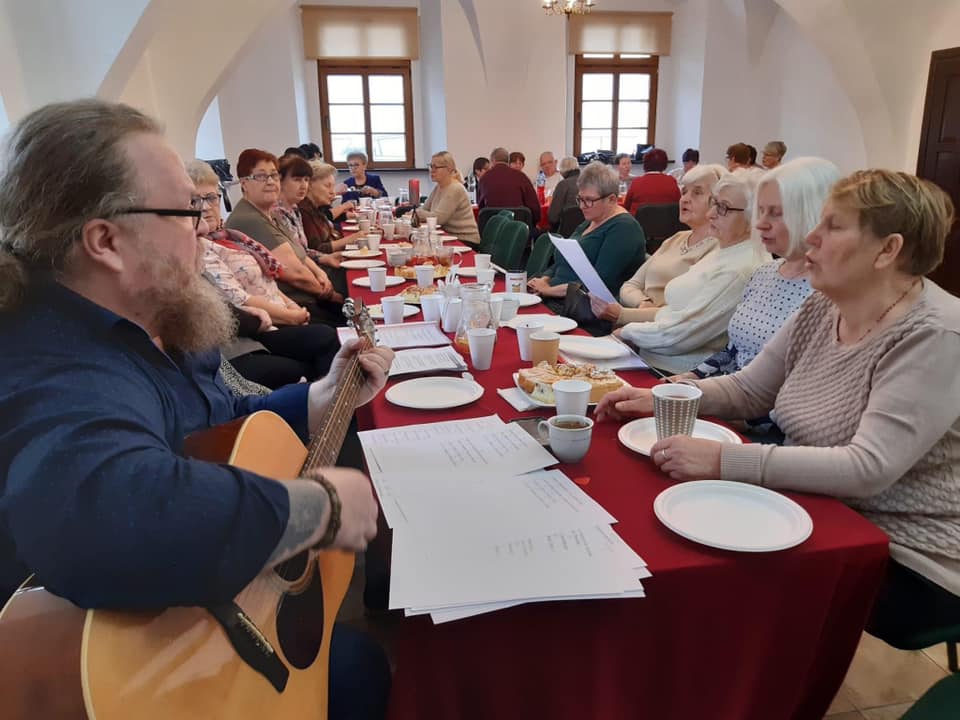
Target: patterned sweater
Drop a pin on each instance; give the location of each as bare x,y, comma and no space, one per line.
876,424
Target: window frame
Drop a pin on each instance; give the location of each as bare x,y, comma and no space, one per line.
365,68
615,65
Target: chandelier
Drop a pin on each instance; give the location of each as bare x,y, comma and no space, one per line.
567,7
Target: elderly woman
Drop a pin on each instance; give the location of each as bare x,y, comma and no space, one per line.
653,186
642,295
699,303
565,194
864,383
246,272
303,280
773,153
448,201
610,237
317,214
360,183
789,201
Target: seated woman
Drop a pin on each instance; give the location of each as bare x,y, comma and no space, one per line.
693,323
610,237
448,201
654,186
318,219
303,280
565,194
360,183
642,295
864,383
245,271
789,201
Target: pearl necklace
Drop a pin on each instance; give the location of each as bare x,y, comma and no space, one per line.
883,314
686,247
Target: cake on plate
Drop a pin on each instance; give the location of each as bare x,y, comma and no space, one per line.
538,381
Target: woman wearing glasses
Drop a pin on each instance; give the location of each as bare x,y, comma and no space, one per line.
301,279
642,295
610,237
360,183
449,202
692,325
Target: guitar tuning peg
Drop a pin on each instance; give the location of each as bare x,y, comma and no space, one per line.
349,311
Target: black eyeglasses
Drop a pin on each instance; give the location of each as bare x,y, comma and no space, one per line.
723,208
195,211
588,202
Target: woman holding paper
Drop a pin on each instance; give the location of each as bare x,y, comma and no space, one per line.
610,237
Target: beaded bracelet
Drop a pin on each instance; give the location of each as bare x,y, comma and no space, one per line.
333,525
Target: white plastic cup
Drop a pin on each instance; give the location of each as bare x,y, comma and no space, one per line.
496,308
482,260
431,223
451,314
373,241
378,278
485,277
516,282
432,306
572,396
392,310
424,275
481,342
388,231
569,436
364,226
508,307
524,330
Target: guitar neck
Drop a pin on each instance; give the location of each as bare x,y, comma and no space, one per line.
326,442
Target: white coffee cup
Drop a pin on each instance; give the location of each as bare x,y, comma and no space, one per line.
373,241
392,310
572,396
431,223
516,282
451,314
509,306
496,308
424,275
569,444
388,231
481,341
482,260
524,330
432,306
485,277
378,278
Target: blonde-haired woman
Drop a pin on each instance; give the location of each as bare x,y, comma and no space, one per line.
449,202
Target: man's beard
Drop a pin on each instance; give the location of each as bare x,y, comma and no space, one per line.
190,314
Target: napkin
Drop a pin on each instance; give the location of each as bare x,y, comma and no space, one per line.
517,398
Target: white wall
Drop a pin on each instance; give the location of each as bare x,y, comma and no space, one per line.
210,134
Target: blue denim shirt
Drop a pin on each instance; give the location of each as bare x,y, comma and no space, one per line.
95,497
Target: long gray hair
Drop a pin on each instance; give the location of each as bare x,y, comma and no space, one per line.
64,166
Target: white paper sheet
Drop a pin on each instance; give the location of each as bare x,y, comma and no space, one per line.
574,255
404,335
419,360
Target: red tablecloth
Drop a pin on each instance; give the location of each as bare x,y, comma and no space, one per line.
720,635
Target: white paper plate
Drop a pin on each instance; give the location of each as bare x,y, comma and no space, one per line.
434,393
376,313
362,253
352,246
640,435
538,403
551,323
361,264
390,282
733,516
351,227
526,299
593,348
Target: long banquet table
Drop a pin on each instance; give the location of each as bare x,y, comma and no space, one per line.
720,635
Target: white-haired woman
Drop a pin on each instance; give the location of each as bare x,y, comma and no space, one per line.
565,193
692,325
642,295
316,212
449,202
789,201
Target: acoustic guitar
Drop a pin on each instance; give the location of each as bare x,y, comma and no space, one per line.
263,656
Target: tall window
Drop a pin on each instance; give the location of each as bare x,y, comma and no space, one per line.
367,107
615,102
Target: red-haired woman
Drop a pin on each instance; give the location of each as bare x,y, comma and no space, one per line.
653,186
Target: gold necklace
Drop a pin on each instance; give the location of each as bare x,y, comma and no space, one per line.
882,316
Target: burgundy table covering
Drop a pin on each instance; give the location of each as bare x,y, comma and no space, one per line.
720,635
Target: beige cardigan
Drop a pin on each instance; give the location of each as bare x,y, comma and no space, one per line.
452,208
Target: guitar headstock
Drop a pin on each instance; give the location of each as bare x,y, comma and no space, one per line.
358,316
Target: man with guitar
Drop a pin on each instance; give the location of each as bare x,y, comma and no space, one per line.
110,359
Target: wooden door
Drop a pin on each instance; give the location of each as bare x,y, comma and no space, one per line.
940,151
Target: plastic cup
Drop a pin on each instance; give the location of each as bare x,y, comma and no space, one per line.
388,230
364,226
432,306
424,275
509,307
496,308
373,242
451,314
485,277
524,330
481,342
392,310
572,397
378,278
544,346
432,223
675,407
482,261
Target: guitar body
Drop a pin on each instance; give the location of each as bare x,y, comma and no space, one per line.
179,662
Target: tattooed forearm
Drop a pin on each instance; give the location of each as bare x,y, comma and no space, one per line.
309,512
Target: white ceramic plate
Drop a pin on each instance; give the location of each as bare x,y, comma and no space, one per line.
640,435
390,282
361,264
593,348
434,393
733,516
538,403
526,299
551,323
361,253
376,313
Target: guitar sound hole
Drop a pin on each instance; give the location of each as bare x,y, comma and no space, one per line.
300,622
293,568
